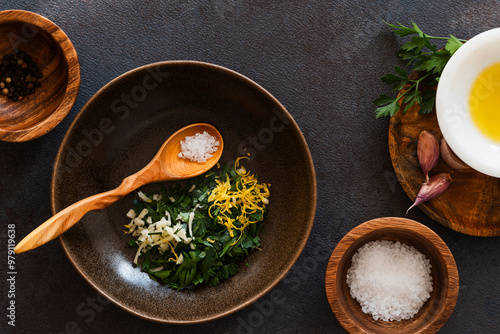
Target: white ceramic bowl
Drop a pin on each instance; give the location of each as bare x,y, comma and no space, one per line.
452,103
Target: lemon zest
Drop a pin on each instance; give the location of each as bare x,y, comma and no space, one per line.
249,197
173,251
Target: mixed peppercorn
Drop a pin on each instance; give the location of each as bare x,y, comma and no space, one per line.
19,76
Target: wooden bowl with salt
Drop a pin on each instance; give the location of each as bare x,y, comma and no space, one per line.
51,49
435,311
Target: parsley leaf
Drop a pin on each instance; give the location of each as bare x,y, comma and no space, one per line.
403,31
387,110
428,101
453,44
434,63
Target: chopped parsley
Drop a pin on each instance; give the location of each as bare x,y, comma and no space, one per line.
196,232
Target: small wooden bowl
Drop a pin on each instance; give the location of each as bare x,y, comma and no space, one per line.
41,111
433,314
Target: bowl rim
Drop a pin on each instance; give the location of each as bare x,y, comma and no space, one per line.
293,123
73,85
368,227
452,110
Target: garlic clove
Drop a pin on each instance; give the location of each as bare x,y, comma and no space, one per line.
432,188
450,157
427,152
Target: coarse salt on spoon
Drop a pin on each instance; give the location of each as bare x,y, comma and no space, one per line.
165,166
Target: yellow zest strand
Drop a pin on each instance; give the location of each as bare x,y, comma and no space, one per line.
237,164
249,197
173,251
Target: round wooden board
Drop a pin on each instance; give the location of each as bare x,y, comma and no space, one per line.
469,205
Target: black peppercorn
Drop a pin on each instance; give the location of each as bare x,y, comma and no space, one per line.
19,76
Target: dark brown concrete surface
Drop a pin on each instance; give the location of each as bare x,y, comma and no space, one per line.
322,60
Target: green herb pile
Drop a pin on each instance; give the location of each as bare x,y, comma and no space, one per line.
420,56
212,253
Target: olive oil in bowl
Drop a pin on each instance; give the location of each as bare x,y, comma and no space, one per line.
484,102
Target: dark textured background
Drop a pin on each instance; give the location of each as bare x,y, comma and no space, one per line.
322,60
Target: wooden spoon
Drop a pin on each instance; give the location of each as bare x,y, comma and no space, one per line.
165,166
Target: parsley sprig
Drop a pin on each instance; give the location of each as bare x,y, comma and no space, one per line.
420,56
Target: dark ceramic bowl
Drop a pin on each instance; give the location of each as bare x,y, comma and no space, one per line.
118,132
41,111
433,314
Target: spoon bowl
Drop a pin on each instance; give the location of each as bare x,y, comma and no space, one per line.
175,168
165,166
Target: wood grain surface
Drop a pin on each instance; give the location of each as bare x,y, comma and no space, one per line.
433,314
469,205
40,112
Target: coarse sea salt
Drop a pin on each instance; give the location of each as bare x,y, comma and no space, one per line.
199,148
390,280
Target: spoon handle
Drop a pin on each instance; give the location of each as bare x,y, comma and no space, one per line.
63,220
